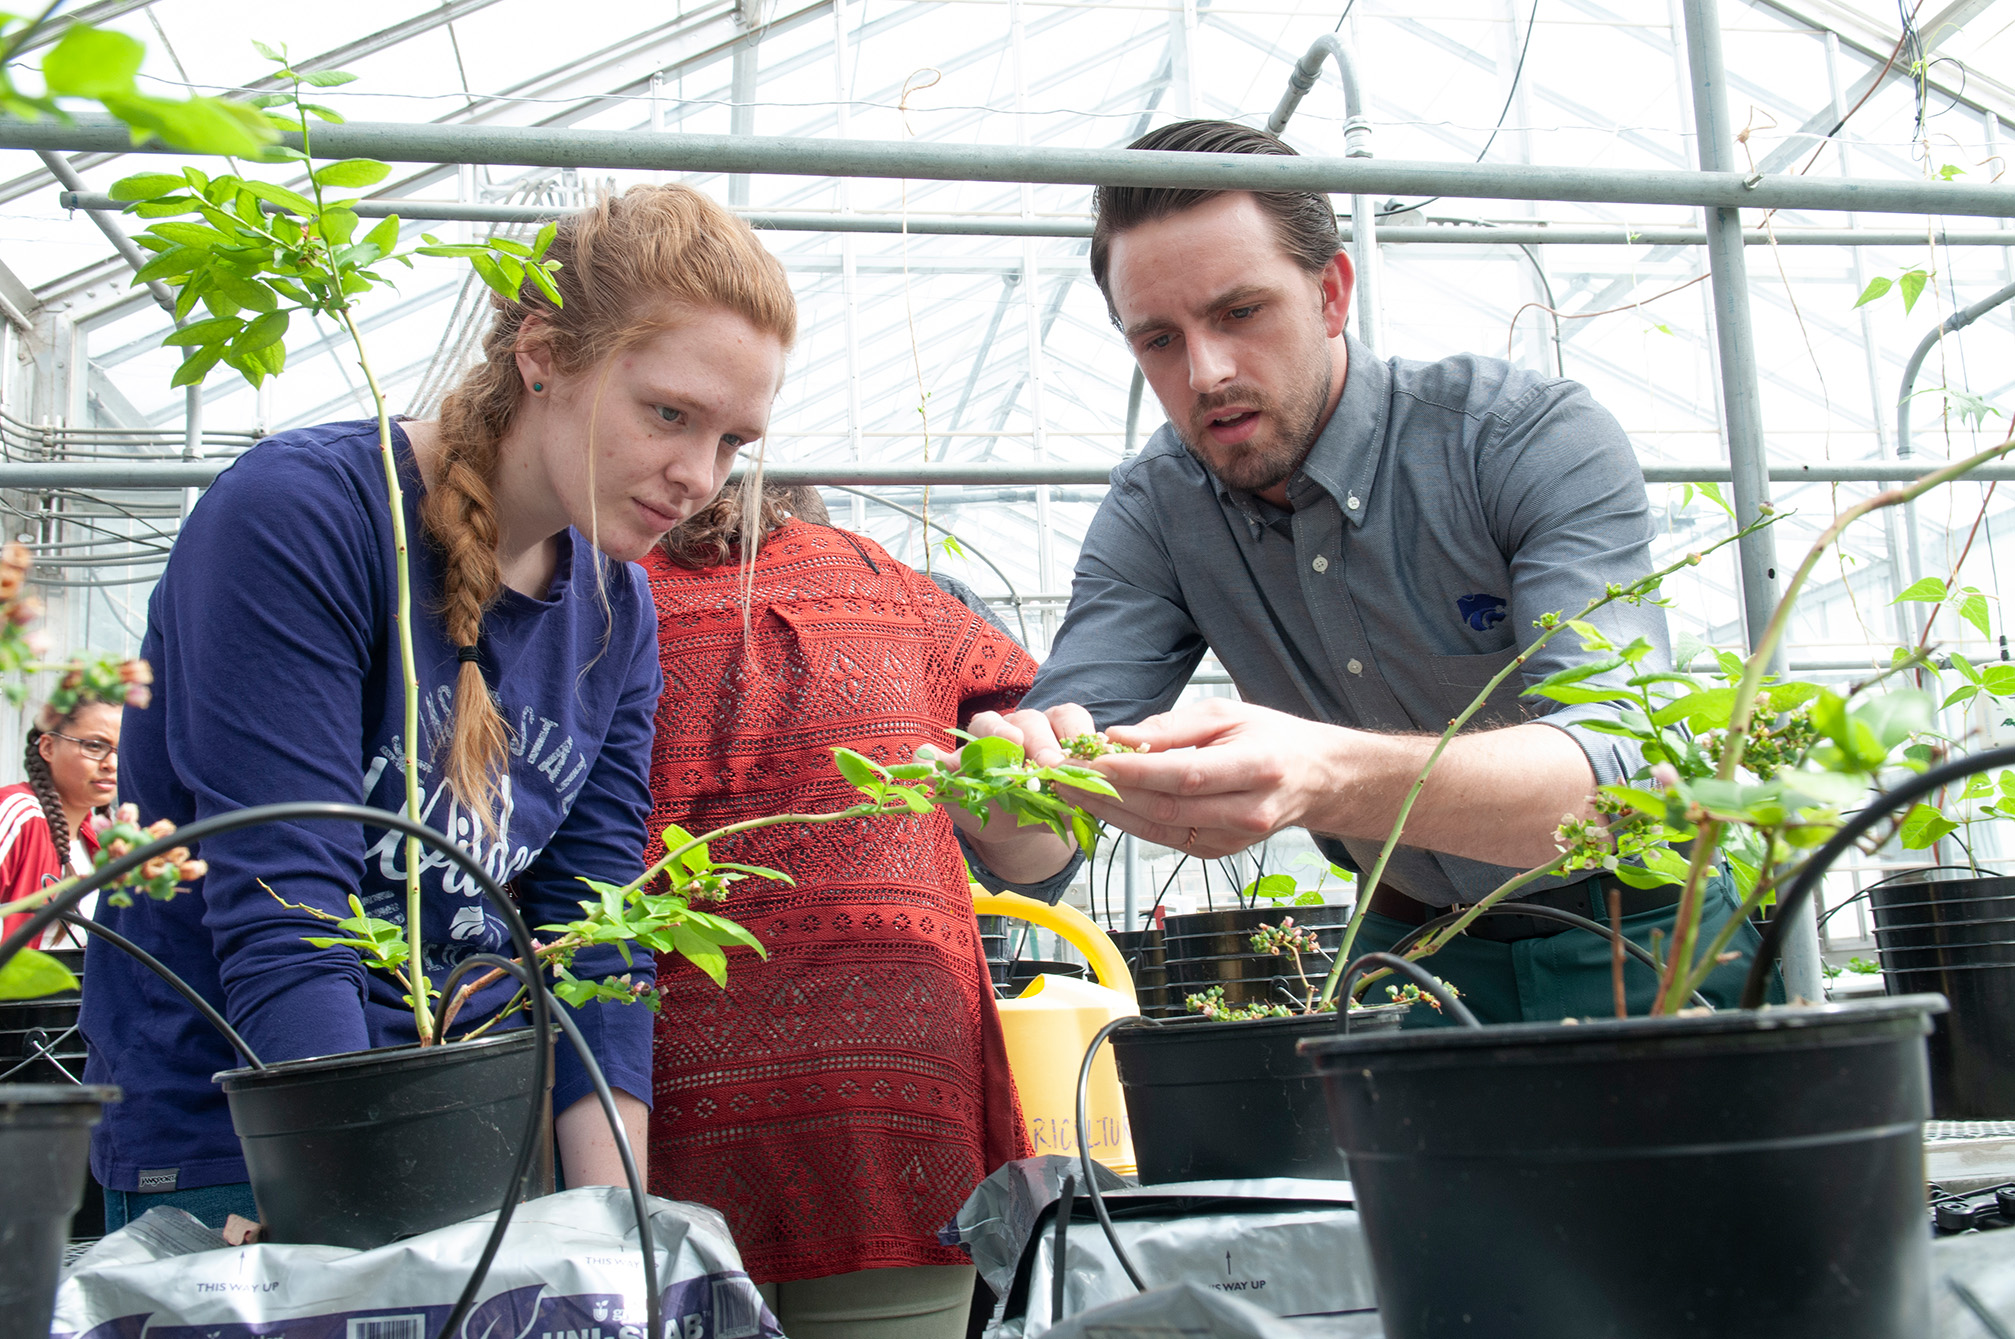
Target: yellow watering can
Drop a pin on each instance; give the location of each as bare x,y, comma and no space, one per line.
1048,1026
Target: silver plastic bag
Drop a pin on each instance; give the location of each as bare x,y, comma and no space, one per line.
569,1268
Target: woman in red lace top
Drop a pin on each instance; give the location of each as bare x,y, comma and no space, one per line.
840,1100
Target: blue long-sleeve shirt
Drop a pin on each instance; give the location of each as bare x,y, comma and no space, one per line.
271,635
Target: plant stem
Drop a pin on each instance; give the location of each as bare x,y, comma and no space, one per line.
1679,967
36,898
410,677
1639,588
1439,940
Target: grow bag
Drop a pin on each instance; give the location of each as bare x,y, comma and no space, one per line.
1957,938
1741,1175
1209,1100
323,1138
1214,948
45,1143
1146,964
39,1040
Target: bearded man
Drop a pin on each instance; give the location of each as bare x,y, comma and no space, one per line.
1363,544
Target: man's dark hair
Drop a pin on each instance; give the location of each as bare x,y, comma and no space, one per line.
1304,221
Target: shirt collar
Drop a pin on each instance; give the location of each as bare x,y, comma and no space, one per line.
1344,460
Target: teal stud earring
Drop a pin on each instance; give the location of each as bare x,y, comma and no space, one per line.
538,387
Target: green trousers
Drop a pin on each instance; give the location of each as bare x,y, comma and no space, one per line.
1567,975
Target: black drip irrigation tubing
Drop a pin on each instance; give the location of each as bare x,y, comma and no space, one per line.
1578,921
161,969
1807,882
653,1318
543,1016
1451,1006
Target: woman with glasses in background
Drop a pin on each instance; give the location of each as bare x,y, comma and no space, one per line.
46,832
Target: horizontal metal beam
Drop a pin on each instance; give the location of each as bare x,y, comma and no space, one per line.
946,225
532,146
41,476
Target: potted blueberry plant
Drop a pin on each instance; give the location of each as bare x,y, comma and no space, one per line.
1756,1171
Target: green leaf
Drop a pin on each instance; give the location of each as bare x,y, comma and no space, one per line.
1708,709
701,952
980,755
543,281
337,225
544,240
1974,610
195,368
1785,697
92,63
352,173
321,113
198,333
1929,590
486,269
1923,826
32,974
385,236
195,125
145,186
1272,887
1877,286
1587,669
270,328
861,772
1964,666
1712,491
457,249
1999,680
328,79
1912,285
1960,696
511,248
293,201
1896,715
1592,637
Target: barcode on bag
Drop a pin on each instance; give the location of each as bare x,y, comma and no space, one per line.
738,1309
389,1327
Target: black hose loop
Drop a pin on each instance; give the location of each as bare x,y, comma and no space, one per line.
1090,1177
1807,882
653,1318
1414,972
1576,919
521,940
1866,889
161,969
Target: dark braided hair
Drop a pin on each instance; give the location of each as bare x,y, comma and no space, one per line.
44,783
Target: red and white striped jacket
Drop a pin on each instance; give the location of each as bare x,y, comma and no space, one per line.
28,858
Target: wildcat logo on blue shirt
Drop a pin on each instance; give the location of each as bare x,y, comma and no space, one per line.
1482,612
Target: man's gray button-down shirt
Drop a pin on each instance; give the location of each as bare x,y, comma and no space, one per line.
1443,508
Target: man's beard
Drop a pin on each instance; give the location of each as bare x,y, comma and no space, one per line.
1287,432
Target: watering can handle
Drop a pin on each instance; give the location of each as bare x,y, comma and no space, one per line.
1076,927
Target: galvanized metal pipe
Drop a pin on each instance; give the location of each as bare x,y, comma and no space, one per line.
949,225
539,146
1742,401
41,476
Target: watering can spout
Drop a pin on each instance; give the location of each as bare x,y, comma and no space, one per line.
1048,1026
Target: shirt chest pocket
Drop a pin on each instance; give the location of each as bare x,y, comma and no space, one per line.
846,654
1460,678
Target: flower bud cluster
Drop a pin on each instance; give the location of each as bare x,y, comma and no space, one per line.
1084,748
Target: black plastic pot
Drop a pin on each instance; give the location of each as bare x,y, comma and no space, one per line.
39,1040
45,1143
1214,948
1956,937
1145,963
324,1139
1740,1175
1207,1100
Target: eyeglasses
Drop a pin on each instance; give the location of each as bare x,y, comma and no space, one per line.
94,749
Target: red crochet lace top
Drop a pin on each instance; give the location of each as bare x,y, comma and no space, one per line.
840,1100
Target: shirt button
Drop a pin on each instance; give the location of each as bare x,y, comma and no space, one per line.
1321,564
1351,502
1355,667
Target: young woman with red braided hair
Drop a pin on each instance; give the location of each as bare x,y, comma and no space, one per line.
586,432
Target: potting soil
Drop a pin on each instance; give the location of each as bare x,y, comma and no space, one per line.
568,1269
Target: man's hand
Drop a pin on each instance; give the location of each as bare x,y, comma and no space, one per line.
1016,852
1220,775
1217,776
